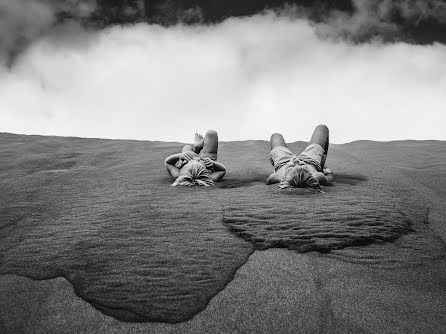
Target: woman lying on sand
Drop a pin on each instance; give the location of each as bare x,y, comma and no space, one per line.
197,163
303,171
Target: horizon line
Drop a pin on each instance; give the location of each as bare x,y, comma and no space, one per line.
221,141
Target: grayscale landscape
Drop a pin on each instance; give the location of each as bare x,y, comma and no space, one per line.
98,97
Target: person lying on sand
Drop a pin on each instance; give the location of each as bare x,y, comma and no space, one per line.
303,171
197,163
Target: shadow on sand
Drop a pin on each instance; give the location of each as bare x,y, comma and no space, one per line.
351,179
248,181
241,181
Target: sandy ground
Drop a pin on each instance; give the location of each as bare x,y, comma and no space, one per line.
275,291
389,287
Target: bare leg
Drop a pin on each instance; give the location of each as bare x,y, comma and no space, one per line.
277,140
210,144
320,136
187,148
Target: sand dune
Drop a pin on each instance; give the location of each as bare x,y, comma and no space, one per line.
102,215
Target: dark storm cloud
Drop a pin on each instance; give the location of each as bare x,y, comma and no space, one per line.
22,21
415,21
387,20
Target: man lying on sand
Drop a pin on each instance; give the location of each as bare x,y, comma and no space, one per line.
197,163
303,171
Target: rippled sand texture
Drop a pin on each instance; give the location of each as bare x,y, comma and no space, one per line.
102,214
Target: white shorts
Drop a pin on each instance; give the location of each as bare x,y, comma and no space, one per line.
313,154
280,156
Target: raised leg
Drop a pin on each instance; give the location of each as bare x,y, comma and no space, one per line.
277,140
210,144
321,136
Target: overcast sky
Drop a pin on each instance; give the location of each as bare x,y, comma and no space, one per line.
246,78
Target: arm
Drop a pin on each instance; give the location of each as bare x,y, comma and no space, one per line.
322,179
273,178
170,164
219,171
172,170
172,159
328,174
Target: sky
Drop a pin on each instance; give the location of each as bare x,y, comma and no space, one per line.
244,77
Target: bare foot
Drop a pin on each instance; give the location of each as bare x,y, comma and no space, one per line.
198,143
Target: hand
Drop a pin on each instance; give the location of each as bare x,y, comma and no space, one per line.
208,162
188,156
327,171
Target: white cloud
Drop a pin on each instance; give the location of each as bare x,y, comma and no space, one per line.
245,77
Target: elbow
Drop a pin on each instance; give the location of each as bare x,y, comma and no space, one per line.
272,178
220,176
321,179
268,181
168,165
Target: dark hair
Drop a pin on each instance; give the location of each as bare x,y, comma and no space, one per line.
299,177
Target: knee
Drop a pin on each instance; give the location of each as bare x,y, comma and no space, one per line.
187,148
322,127
276,135
211,133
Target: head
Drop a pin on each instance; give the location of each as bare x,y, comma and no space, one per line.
299,177
193,173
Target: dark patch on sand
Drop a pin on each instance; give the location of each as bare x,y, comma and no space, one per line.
323,229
